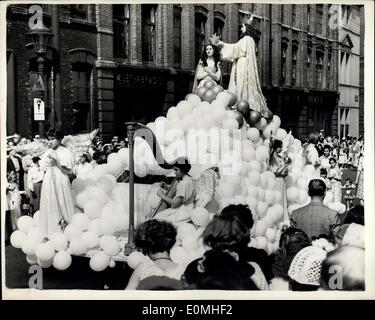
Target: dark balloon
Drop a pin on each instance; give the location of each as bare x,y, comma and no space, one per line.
200,92
209,95
268,115
243,107
217,89
239,118
233,99
254,117
209,84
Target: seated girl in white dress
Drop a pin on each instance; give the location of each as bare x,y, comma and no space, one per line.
208,67
182,204
155,239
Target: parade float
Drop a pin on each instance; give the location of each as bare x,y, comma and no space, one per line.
212,129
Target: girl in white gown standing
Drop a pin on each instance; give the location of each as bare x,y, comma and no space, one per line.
56,203
244,80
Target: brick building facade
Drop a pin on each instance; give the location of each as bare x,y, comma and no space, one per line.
131,62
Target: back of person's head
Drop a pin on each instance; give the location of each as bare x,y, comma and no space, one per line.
155,236
313,137
35,160
317,188
291,236
355,215
226,232
218,270
344,269
160,283
242,212
292,240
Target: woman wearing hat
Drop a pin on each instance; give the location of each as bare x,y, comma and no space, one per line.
182,204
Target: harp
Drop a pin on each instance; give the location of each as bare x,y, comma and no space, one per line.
139,130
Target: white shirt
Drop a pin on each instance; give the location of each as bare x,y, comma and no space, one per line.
35,175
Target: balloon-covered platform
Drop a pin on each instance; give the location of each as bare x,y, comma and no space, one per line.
211,128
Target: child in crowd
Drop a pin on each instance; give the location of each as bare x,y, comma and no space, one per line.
34,182
324,159
323,176
334,176
349,193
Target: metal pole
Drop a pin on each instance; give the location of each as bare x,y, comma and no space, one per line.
42,93
55,28
129,247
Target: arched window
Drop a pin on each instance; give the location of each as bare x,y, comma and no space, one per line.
319,68
121,16
200,33
284,48
294,22
319,19
148,32
218,26
308,66
294,63
82,66
177,36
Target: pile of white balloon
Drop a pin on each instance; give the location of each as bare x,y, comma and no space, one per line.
209,129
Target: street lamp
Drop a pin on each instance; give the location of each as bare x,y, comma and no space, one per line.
40,37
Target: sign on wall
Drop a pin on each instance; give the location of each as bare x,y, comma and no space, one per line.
39,112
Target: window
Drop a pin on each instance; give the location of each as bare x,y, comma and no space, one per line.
282,14
294,15
218,26
148,32
200,30
329,70
319,69
177,36
308,18
284,48
294,64
308,67
319,18
79,11
81,96
121,15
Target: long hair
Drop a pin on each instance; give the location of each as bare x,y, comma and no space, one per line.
251,32
216,55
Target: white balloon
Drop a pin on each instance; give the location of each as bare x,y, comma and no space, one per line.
99,262
78,246
25,223
59,241
17,238
62,260
45,251
91,239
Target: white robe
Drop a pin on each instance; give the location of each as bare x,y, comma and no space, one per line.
56,202
244,79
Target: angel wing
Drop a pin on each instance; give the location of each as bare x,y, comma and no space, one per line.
205,187
80,143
